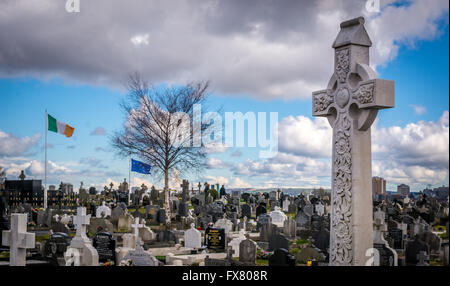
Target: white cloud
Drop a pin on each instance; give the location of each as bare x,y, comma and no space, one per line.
258,48
422,143
419,109
214,148
140,40
303,136
99,131
11,145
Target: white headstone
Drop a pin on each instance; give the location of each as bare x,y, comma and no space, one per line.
81,250
103,210
278,218
192,238
320,209
18,240
350,103
225,224
235,243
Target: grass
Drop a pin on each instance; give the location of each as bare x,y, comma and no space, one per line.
443,235
301,241
42,238
294,251
4,254
262,262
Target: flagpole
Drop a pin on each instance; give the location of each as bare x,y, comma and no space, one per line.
129,179
45,176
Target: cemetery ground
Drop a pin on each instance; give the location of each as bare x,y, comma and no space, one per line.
235,229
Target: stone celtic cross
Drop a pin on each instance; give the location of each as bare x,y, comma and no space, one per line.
351,103
18,240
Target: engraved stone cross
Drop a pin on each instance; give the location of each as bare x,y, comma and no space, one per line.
351,103
18,240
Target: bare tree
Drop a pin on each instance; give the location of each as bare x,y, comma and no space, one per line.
2,175
159,128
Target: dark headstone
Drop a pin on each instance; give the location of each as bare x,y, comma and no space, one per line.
215,239
281,257
246,211
385,254
278,241
105,244
413,248
55,247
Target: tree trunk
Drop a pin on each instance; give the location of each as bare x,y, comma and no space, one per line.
166,196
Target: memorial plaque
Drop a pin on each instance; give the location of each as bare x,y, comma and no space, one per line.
105,244
215,239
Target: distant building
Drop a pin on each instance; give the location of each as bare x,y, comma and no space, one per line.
24,191
403,190
378,186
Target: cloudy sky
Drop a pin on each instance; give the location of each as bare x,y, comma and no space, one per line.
260,56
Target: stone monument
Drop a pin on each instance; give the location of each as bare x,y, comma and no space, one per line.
350,103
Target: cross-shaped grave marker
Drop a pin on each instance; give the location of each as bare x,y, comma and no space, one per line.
351,103
18,240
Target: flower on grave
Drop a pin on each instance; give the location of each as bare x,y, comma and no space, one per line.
309,263
99,228
127,262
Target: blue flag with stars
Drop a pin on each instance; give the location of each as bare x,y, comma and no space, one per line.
140,167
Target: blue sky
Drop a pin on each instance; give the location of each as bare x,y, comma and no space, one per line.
417,61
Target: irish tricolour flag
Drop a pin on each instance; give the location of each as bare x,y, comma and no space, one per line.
59,127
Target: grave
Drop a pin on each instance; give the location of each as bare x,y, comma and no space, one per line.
18,239
351,102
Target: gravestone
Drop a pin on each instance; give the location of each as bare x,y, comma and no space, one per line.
290,228
183,208
215,239
60,227
386,255
161,216
423,258
124,223
351,102
261,209
103,211
105,244
247,251
246,211
397,238
262,220
322,240
309,253
224,223
140,257
278,217
192,238
18,239
56,246
267,231
81,252
302,220
413,249
278,241
4,223
116,213
99,225
281,257
235,243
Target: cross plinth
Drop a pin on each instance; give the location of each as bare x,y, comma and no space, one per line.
351,103
136,227
81,220
18,240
